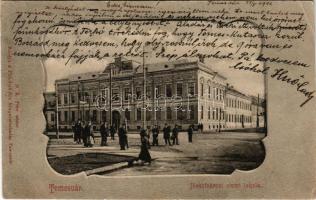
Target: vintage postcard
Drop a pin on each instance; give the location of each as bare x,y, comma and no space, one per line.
158,99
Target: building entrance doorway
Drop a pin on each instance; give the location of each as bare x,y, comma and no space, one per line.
116,119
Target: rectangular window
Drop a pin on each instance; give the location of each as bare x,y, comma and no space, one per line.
94,115
191,89
65,99
148,114
59,99
52,117
81,96
103,113
202,113
191,112
209,113
179,89
127,114
59,116
115,95
180,115
73,116
104,95
138,92
209,92
72,98
168,90
65,116
148,91
87,97
127,93
94,96
80,115
202,89
87,115
158,114
169,113
157,91
139,114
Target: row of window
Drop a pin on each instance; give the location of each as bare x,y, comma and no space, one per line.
159,90
213,92
235,103
180,115
238,118
216,113
90,96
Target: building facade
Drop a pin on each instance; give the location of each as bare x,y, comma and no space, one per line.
180,92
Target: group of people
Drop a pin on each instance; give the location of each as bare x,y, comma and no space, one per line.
174,136
85,133
144,154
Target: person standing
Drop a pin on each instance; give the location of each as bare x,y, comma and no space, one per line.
202,127
78,131
122,136
166,134
74,131
190,133
89,135
84,134
125,136
112,131
199,128
155,132
104,133
144,154
175,132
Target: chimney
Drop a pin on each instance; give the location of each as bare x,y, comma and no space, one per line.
201,59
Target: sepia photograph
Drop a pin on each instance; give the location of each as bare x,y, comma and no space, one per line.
194,118
158,99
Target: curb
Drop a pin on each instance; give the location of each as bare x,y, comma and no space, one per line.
109,168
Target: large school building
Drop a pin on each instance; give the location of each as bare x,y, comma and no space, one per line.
180,92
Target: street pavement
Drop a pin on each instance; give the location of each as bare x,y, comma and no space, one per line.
213,153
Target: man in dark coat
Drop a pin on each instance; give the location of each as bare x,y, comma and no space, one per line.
190,133
202,127
112,131
122,137
83,133
175,132
78,131
125,137
155,132
166,134
104,134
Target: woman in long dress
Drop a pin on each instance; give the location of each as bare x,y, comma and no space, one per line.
144,154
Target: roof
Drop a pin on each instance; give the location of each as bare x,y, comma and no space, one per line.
130,66
236,92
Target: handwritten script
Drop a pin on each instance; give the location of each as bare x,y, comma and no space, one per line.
239,34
